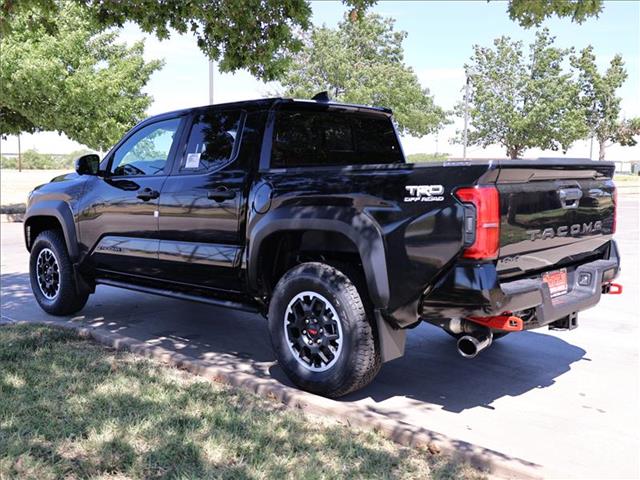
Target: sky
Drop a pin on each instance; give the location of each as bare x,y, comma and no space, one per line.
441,35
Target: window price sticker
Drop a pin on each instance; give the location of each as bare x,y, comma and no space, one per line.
193,160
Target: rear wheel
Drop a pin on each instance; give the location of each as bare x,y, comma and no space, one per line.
52,278
322,336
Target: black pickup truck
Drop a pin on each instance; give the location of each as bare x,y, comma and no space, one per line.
307,212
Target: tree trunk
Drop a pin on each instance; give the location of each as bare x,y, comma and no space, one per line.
514,151
602,150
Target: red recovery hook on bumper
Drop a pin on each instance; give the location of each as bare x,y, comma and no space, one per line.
505,322
612,288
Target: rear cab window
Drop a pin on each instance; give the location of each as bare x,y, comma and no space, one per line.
312,138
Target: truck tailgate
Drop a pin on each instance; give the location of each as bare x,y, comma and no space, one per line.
553,213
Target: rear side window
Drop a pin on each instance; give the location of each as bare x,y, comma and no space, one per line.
213,141
304,139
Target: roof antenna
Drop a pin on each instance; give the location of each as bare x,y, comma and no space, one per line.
321,97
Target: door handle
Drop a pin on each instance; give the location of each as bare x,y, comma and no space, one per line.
221,194
570,197
148,194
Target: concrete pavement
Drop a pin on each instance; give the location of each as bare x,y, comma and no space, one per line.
565,401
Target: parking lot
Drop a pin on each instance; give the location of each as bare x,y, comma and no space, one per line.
565,401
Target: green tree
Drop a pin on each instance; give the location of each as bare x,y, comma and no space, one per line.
257,35
521,102
529,13
69,76
362,61
627,132
598,96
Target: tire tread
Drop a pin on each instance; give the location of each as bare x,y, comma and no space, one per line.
367,359
69,301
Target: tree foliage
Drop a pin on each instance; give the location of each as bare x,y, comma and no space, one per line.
362,61
66,75
523,102
529,13
257,35
627,132
598,97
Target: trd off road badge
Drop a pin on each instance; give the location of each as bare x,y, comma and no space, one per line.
424,193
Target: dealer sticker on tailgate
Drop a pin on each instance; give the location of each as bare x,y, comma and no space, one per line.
557,281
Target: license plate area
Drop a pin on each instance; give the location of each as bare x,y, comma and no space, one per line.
557,282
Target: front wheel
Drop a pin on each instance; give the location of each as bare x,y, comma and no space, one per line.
320,331
52,278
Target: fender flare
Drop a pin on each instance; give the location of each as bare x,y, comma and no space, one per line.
359,229
62,213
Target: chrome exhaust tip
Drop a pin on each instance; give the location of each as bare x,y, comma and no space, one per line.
469,346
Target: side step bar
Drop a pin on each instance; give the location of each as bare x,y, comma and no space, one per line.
179,295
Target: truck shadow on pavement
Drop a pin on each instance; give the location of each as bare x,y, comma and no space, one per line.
431,374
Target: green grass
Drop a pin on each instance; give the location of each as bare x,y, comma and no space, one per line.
427,157
622,178
70,408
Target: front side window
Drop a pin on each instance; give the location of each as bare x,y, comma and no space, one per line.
311,138
212,141
145,152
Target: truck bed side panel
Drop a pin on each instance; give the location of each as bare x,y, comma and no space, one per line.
420,233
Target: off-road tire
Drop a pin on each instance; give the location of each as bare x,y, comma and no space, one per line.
67,300
359,360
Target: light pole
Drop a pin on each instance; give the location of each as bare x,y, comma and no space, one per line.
210,82
466,117
19,155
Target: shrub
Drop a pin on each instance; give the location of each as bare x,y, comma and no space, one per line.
427,157
34,160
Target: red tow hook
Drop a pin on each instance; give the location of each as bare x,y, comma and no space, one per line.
505,322
612,288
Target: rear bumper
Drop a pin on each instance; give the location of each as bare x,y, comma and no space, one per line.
534,293
479,293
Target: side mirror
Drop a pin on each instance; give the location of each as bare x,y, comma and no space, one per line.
88,164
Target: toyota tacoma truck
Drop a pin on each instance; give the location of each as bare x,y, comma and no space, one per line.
308,213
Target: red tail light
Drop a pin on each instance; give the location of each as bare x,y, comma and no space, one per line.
486,228
615,210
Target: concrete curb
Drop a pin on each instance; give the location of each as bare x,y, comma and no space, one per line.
494,463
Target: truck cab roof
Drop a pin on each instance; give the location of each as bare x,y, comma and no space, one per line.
275,102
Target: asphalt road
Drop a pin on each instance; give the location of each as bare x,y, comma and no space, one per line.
566,401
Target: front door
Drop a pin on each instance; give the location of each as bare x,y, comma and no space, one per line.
202,202
118,214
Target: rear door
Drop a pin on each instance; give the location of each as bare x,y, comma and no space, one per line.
202,204
553,213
